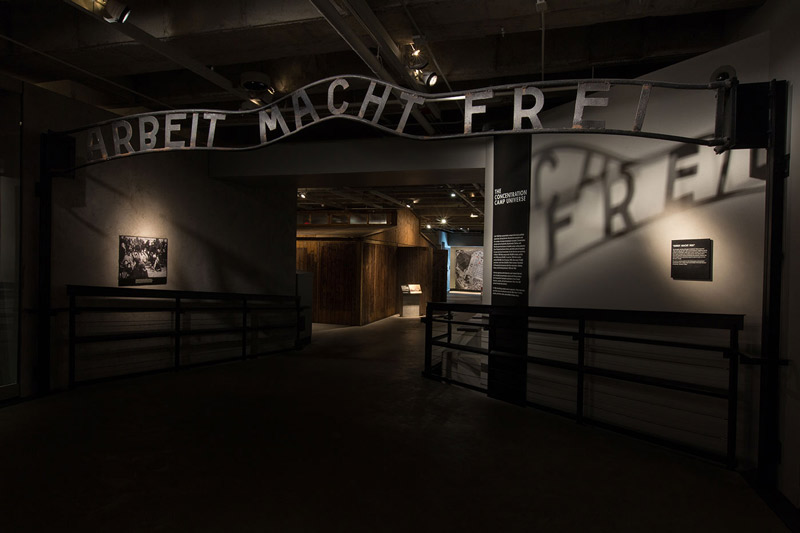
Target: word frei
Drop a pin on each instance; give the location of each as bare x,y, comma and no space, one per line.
197,129
583,197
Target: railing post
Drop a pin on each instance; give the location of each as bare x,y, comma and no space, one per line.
581,362
244,328
71,340
177,332
428,339
733,396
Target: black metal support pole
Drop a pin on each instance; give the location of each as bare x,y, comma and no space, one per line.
71,340
177,333
428,339
45,191
581,362
768,438
733,396
244,328
449,328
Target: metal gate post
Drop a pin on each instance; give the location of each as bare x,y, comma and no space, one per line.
768,438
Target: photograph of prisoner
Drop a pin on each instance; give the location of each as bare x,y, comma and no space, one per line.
142,260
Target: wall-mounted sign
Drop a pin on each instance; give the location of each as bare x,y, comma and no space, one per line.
692,259
510,219
142,261
366,100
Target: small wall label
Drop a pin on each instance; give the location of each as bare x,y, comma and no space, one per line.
692,259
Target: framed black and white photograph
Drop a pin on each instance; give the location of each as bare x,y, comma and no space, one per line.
142,260
468,269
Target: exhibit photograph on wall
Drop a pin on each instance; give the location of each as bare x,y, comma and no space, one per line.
142,260
468,269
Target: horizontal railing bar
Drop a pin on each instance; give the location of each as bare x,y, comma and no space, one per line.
130,292
134,335
460,322
125,309
554,332
657,342
461,348
682,386
662,318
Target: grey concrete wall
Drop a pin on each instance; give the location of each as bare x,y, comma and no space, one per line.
223,235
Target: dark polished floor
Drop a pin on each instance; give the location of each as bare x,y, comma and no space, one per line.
344,435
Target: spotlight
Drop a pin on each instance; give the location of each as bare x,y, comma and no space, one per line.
428,226
408,206
112,10
416,59
444,221
430,79
258,85
452,195
473,215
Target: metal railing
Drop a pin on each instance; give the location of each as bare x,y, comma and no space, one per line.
500,350
156,330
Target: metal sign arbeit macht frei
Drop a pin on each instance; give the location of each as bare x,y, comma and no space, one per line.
364,99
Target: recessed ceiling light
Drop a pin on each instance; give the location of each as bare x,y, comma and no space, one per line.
452,195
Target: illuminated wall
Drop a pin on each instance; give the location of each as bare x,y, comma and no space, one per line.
605,209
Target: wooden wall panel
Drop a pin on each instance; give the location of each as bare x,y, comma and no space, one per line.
379,282
336,267
415,265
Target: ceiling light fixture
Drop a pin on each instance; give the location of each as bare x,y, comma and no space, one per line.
444,221
111,10
473,215
430,79
452,195
428,226
257,84
416,59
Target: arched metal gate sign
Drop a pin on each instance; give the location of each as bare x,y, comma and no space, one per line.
366,100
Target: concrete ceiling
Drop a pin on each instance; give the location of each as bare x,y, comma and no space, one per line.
192,53
475,43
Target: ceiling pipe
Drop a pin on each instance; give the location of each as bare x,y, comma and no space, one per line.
176,56
331,14
463,197
388,198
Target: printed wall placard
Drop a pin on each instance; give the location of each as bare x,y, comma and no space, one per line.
142,261
692,259
511,199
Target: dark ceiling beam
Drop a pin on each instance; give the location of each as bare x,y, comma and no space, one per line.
353,196
465,199
388,198
173,54
332,15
